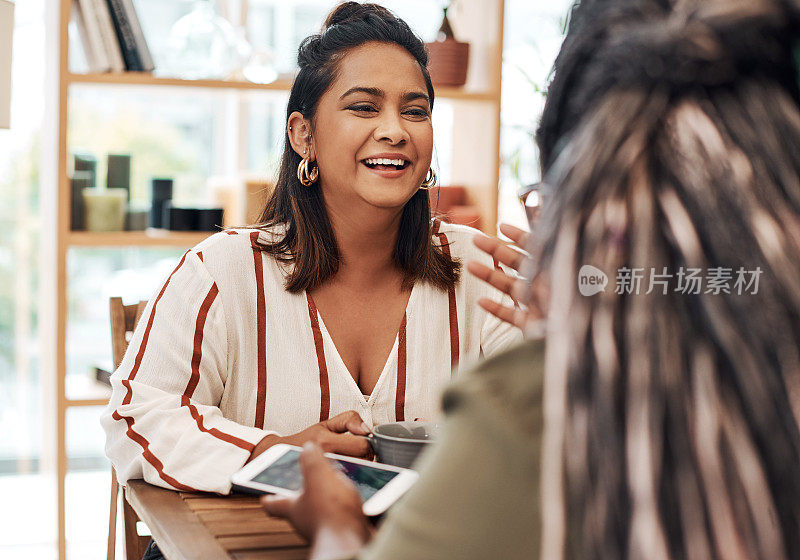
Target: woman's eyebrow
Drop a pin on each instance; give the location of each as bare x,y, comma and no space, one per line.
376,92
413,95
361,89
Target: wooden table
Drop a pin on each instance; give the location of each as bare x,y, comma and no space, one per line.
211,527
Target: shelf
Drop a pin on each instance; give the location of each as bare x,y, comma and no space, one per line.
150,238
86,402
145,79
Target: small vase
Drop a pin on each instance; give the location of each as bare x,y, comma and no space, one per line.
203,45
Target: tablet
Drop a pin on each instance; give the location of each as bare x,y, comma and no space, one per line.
277,471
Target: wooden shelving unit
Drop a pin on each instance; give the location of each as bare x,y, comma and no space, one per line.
143,79
475,164
148,238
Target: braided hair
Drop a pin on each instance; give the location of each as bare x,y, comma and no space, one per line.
672,143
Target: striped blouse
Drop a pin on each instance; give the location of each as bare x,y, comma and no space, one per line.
223,355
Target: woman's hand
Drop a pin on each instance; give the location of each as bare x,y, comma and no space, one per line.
526,309
327,512
340,434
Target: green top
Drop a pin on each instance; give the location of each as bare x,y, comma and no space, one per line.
478,492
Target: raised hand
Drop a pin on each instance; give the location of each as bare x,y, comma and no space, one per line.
526,309
340,434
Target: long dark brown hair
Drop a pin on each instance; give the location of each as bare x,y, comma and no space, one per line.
309,243
672,418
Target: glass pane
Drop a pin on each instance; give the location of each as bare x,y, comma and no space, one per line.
533,36
266,130
86,440
94,276
21,412
27,513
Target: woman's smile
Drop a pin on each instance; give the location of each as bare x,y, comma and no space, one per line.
388,165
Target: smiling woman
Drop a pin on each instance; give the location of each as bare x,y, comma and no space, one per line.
343,306
349,115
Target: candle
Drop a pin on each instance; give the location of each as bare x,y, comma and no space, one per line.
105,209
161,189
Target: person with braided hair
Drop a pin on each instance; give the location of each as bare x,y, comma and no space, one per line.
661,424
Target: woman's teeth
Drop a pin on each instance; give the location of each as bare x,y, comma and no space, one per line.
385,162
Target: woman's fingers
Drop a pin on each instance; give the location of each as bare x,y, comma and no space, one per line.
520,237
499,251
354,446
345,444
341,434
348,421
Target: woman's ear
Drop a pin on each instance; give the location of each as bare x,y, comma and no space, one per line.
299,130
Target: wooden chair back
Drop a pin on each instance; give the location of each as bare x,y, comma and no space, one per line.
123,323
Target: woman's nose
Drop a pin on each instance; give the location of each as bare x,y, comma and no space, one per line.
390,128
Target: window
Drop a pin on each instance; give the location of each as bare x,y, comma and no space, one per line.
533,36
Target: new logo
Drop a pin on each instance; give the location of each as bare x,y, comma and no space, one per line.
591,280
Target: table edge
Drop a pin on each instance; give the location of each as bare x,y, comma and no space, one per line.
149,501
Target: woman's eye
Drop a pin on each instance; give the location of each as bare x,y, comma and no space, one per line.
362,108
419,112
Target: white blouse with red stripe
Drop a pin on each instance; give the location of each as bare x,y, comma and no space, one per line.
223,355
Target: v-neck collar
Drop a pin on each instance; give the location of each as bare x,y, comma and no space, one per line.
391,358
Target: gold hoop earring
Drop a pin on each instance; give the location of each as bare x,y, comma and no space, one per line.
306,177
430,180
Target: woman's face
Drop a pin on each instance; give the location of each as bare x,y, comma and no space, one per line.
372,132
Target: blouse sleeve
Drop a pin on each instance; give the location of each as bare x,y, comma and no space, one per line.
163,422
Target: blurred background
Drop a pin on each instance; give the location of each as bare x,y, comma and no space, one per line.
201,119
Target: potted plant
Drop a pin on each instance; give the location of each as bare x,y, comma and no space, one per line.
448,59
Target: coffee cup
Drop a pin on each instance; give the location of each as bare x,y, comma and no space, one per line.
400,443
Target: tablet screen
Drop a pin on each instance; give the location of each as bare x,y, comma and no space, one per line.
285,473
